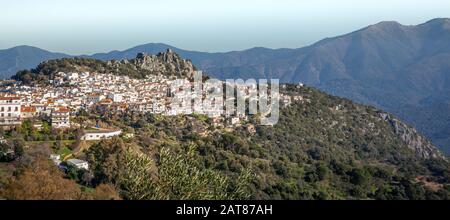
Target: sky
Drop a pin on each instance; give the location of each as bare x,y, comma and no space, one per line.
91,26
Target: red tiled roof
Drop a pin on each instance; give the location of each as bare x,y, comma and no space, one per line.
62,110
29,109
9,98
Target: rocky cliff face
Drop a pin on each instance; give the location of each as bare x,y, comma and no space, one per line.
416,142
168,63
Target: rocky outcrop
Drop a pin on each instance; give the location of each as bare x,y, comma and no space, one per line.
168,63
411,137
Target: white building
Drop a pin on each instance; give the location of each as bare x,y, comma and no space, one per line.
72,76
60,118
2,140
10,110
99,134
94,98
234,120
56,158
80,164
115,97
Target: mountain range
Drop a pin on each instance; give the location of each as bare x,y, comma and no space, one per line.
402,69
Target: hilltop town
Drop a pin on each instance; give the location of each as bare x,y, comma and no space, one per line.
60,99
69,93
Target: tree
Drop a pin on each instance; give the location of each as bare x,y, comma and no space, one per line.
103,158
41,181
359,176
322,171
181,178
134,179
12,150
105,192
6,154
178,177
18,146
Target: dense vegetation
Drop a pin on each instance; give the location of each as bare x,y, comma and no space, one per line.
316,151
327,148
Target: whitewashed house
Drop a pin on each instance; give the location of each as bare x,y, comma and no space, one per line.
10,110
60,117
99,134
80,164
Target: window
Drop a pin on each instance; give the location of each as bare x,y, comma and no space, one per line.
9,109
16,109
3,109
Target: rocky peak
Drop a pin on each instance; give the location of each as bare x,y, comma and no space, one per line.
168,62
169,56
141,56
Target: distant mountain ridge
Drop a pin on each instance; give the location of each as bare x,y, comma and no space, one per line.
402,69
24,57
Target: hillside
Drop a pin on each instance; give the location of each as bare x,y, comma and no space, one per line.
327,148
323,147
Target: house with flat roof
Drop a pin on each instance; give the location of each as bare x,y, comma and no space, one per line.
80,164
95,134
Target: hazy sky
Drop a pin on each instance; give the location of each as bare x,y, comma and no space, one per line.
89,26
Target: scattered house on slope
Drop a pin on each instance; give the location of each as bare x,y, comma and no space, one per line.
128,135
39,126
95,134
234,121
80,164
2,140
56,158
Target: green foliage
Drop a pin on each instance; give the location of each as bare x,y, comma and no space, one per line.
181,179
314,152
28,132
134,178
174,176
12,150
359,176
